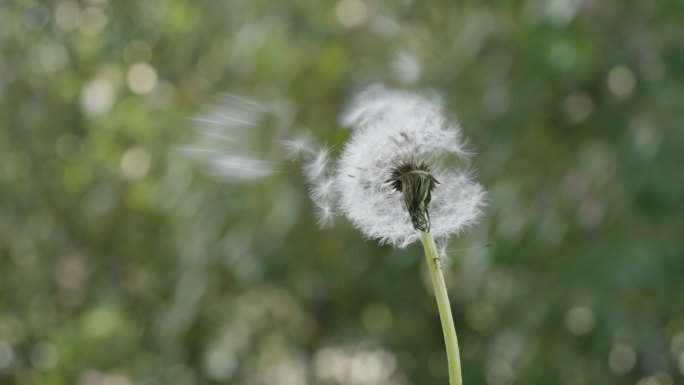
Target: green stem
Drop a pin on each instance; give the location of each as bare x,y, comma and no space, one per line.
445,316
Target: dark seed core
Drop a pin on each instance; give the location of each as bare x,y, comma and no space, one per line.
415,183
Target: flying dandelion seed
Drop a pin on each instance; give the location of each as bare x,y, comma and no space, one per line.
406,67
230,142
300,146
318,166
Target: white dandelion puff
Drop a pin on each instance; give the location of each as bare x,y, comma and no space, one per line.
400,135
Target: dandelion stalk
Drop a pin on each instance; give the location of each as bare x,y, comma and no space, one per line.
450,339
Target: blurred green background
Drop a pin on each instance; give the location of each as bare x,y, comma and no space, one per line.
123,263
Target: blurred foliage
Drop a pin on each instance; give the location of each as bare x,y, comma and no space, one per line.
122,263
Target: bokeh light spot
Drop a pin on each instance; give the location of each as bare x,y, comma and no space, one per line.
622,359
6,355
71,273
93,21
621,82
578,106
499,372
561,12
580,320
351,13
663,378
43,356
221,364
677,344
115,379
141,78
68,15
90,377
97,96
657,379
135,163
53,57
354,365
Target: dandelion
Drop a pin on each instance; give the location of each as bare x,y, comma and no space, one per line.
402,176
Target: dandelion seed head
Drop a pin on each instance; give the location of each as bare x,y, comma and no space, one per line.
392,129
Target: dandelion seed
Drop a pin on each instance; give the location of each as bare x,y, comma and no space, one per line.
318,173
244,102
442,249
242,167
298,147
323,191
406,67
324,216
230,140
317,168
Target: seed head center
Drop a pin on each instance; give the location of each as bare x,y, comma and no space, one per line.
415,183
